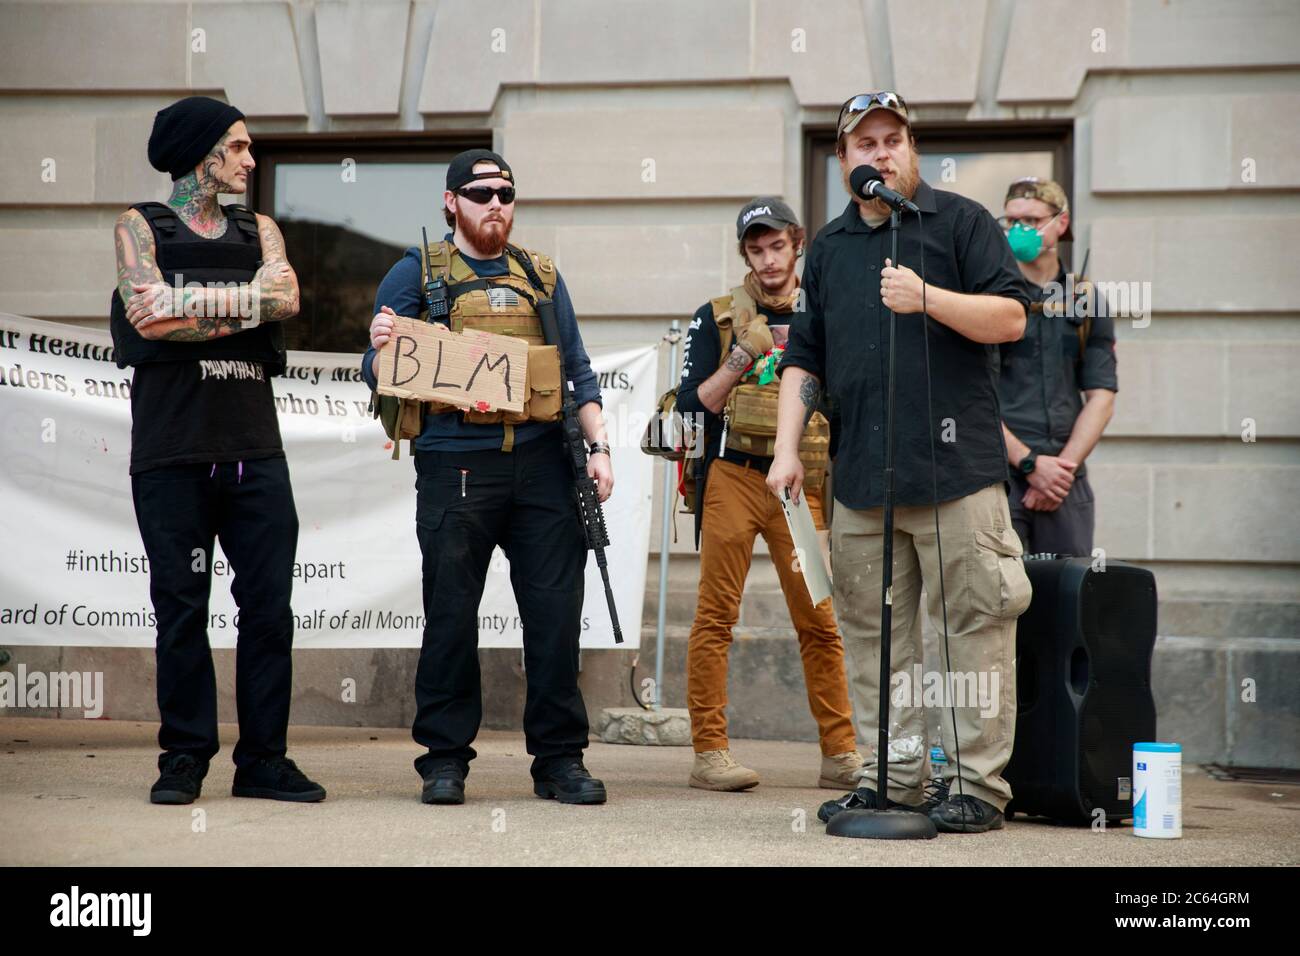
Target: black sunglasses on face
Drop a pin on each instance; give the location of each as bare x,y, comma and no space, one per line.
482,195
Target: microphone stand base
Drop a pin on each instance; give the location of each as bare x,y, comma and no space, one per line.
881,825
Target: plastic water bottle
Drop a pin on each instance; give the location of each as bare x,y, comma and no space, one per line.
938,760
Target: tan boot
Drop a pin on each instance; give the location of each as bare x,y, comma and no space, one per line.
841,771
718,770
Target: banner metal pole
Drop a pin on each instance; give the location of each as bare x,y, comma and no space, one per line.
670,502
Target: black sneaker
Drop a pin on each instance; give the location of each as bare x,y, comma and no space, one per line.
569,783
936,792
181,780
966,814
276,778
863,798
444,783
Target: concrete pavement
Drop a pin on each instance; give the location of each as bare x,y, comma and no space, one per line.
76,792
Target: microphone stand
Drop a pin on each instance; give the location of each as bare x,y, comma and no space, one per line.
883,824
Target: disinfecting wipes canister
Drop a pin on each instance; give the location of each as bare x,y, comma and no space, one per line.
1158,790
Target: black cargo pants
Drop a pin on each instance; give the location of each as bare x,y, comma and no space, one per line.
466,504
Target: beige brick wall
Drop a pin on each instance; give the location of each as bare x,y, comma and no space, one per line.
1169,100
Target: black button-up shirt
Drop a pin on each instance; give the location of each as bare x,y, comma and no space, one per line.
1044,373
843,339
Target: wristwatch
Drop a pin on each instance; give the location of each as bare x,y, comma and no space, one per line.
1027,463
598,448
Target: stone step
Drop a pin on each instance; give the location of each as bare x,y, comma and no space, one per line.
763,605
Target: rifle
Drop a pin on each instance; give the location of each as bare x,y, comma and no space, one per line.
589,510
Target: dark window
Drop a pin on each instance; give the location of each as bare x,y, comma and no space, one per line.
348,209
975,159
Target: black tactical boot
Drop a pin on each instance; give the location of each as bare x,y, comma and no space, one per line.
569,783
444,784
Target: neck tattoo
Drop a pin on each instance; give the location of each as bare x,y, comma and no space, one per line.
197,207
194,195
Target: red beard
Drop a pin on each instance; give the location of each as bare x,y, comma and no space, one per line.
487,236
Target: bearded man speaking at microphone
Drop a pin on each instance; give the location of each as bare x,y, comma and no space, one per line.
976,298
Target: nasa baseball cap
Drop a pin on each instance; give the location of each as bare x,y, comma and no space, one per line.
770,211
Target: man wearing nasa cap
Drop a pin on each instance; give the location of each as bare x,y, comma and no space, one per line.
729,376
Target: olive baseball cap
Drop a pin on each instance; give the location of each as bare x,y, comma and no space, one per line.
770,211
1044,190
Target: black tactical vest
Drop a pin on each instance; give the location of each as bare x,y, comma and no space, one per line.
235,257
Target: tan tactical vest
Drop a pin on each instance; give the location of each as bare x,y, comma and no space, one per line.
503,305
749,417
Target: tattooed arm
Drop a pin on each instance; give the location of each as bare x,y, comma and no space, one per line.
800,393
200,314
149,300
275,281
714,390
136,265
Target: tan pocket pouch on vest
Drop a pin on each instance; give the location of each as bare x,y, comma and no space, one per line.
543,384
751,419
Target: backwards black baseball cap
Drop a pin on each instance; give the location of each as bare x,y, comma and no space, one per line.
770,211
461,170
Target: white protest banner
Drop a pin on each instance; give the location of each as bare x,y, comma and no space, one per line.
73,570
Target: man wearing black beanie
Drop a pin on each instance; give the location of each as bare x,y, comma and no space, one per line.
201,290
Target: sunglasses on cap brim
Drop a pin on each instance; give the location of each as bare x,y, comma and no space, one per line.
482,195
865,101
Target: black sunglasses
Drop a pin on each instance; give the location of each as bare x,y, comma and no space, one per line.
482,195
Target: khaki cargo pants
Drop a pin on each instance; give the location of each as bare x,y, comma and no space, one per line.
986,588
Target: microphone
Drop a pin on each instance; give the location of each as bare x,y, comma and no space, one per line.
866,182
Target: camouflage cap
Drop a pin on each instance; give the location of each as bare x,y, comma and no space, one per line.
856,107
1044,190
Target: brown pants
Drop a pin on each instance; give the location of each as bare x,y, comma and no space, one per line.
737,507
986,588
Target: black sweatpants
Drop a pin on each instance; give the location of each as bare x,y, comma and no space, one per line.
249,506
467,503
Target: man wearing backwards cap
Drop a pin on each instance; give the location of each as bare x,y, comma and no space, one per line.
975,298
483,481
201,291
732,348
1058,383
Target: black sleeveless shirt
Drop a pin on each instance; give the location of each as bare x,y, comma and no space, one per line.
204,409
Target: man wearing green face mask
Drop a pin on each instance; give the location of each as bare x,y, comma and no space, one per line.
1057,385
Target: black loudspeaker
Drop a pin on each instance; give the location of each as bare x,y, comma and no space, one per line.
1083,684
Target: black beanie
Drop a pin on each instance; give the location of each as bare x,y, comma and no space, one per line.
184,132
